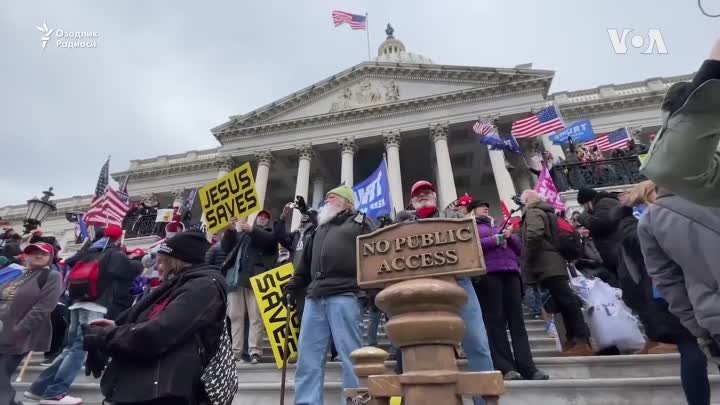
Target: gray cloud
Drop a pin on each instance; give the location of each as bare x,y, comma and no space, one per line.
165,72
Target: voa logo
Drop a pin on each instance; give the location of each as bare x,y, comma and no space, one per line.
650,42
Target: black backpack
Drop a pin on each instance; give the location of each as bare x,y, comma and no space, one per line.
564,237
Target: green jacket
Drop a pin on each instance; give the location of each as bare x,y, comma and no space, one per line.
684,157
539,258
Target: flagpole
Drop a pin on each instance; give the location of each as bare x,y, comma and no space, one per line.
367,31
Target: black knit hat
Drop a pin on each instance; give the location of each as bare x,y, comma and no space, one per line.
478,203
188,246
586,195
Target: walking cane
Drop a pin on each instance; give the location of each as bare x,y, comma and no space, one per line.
285,354
24,367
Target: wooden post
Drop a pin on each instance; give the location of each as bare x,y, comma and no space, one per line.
368,361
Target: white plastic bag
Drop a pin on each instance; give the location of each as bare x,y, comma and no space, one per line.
610,321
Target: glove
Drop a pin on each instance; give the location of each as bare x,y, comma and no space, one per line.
289,299
301,205
93,344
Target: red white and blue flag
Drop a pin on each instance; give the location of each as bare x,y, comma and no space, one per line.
544,122
355,21
616,139
109,208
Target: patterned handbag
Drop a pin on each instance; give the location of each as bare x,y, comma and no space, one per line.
219,376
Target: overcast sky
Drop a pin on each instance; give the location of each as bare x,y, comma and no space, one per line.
165,72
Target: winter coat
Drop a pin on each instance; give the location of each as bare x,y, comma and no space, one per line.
602,227
685,155
215,256
540,258
294,241
681,244
117,274
258,251
25,321
155,345
500,255
327,265
11,249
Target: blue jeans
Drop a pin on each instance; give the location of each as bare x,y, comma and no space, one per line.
535,299
55,381
693,372
373,323
337,318
475,342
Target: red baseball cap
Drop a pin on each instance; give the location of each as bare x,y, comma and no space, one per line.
137,252
464,201
422,184
113,232
39,246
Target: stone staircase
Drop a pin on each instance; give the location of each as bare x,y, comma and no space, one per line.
598,380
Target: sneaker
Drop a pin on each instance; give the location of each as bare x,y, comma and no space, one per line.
550,329
255,359
29,395
539,375
62,400
512,376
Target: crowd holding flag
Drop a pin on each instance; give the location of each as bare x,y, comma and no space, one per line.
544,122
108,206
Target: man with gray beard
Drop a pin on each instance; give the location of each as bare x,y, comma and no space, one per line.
328,268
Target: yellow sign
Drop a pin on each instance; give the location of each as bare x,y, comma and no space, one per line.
268,289
233,195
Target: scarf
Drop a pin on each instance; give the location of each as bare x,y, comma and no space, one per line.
426,212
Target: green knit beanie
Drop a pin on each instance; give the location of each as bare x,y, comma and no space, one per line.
344,192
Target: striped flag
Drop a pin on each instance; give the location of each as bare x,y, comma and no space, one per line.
355,21
110,208
546,121
103,180
616,139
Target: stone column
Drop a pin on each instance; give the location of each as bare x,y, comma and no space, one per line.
503,180
303,179
392,149
264,159
318,192
224,165
556,150
347,150
446,180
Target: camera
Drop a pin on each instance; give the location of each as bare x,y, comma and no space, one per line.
516,199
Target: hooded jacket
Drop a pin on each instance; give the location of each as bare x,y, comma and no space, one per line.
248,254
25,321
327,264
155,345
685,155
540,258
500,255
602,227
680,242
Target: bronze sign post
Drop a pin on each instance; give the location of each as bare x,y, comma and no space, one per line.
418,262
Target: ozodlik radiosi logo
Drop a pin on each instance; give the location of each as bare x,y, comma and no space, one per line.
47,32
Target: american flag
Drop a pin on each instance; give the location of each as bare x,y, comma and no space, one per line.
484,128
355,21
103,180
109,208
616,139
544,122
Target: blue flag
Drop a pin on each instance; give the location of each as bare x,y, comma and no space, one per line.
509,144
372,196
579,132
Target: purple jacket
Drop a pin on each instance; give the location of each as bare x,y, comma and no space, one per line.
498,257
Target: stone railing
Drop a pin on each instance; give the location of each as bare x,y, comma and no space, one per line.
599,173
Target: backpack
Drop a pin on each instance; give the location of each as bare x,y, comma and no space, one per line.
565,238
84,279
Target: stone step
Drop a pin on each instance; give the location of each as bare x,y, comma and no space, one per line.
594,391
627,366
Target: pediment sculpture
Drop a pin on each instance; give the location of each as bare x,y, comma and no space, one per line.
366,93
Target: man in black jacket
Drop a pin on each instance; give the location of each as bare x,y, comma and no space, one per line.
598,220
328,268
250,251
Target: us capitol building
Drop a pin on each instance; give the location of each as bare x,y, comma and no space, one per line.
403,107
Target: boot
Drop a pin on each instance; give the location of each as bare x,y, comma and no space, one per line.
658,348
576,349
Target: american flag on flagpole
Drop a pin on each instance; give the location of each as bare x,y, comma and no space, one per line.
484,128
616,139
546,121
110,208
103,180
355,21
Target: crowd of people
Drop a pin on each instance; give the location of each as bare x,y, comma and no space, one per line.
139,320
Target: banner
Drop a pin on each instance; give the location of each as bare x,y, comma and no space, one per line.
579,132
268,290
164,215
547,190
233,195
372,196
